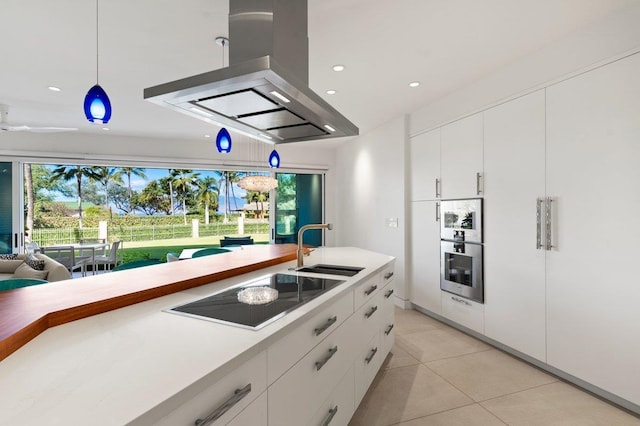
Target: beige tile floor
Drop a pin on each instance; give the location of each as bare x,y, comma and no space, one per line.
437,375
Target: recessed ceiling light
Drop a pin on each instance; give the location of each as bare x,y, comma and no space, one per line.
105,129
331,92
54,89
207,136
338,68
414,84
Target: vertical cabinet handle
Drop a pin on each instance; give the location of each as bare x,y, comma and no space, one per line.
437,212
478,190
547,220
437,188
538,223
330,416
238,395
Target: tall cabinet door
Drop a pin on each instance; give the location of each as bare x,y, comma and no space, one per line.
425,255
593,177
425,166
461,158
514,155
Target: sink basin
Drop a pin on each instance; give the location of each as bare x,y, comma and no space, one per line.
347,271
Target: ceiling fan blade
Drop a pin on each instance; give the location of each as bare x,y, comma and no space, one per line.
37,129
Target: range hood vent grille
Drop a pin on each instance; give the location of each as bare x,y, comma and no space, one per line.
265,96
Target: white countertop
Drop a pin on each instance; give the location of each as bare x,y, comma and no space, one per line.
111,368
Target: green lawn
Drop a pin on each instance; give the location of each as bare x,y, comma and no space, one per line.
158,249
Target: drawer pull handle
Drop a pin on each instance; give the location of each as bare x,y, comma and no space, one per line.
388,294
371,355
457,299
389,275
323,328
330,416
332,352
226,406
371,290
371,312
388,330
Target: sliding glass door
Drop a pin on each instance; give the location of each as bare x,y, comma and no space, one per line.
299,201
11,234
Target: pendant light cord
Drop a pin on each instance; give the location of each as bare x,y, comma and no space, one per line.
97,42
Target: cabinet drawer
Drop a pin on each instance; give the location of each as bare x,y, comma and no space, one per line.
387,274
294,398
254,415
223,398
367,290
463,311
368,319
339,407
288,350
366,366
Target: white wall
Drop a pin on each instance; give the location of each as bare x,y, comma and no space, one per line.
370,188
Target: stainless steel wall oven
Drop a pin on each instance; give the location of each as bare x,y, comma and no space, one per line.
461,248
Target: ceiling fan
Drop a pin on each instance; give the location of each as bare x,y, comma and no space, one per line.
6,127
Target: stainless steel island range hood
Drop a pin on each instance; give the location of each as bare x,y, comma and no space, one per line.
264,91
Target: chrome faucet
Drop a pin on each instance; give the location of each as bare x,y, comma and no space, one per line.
301,231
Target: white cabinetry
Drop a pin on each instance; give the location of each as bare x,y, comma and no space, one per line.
514,150
425,256
222,399
593,172
425,166
463,311
335,368
461,158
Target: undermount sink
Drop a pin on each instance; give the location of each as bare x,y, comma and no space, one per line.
347,271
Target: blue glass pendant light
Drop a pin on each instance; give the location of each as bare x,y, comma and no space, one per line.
97,106
274,159
223,141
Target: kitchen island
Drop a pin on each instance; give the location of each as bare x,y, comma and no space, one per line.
140,365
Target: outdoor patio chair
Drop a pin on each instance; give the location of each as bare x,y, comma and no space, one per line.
109,260
209,251
65,255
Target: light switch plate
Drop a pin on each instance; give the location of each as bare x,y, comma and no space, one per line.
392,222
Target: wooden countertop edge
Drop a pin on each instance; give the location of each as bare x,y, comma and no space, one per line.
19,337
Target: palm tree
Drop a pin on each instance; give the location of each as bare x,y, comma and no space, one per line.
170,180
183,181
229,178
105,176
67,173
128,171
208,194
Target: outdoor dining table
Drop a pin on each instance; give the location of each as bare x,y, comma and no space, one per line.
82,261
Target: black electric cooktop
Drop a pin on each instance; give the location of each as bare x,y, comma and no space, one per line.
224,307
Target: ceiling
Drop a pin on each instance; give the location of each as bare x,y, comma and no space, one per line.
384,45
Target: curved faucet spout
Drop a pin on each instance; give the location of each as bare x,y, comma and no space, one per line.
328,226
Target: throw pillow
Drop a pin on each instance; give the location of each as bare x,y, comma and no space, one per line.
12,256
8,266
34,262
26,271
